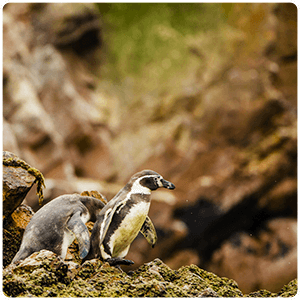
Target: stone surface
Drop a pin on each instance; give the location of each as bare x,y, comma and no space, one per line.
49,101
17,181
44,274
13,229
259,261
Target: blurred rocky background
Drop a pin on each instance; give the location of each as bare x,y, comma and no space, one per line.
205,94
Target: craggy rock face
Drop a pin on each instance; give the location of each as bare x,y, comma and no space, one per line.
44,274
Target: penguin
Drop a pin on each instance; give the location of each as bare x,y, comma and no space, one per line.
120,221
55,226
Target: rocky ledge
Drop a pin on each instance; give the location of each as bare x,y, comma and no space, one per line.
44,274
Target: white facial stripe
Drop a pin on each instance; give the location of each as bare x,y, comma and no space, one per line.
137,188
158,176
159,182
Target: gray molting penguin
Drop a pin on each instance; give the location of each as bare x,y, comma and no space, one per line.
120,221
55,226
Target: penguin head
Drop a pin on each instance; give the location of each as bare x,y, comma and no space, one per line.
151,180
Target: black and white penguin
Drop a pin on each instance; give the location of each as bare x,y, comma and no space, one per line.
120,221
55,226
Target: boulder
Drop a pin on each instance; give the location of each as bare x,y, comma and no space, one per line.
18,178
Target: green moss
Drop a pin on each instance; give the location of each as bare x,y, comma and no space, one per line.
13,288
51,278
223,286
261,293
290,289
88,269
12,237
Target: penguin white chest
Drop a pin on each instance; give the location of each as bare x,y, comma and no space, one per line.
129,229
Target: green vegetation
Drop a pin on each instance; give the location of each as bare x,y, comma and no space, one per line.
148,42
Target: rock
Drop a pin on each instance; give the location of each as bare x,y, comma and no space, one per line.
289,290
262,293
37,272
285,49
45,274
281,198
18,178
263,260
51,136
76,26
55,188
207,293
22,215
16,184
13,229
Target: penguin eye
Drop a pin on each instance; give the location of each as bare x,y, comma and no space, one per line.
148,181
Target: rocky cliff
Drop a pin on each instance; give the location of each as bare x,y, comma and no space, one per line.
204,94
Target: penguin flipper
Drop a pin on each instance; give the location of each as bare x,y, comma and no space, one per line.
78,228
149,232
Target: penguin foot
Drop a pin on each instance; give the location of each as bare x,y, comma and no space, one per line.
119,261
119,268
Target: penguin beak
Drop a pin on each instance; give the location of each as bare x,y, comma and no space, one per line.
167,184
